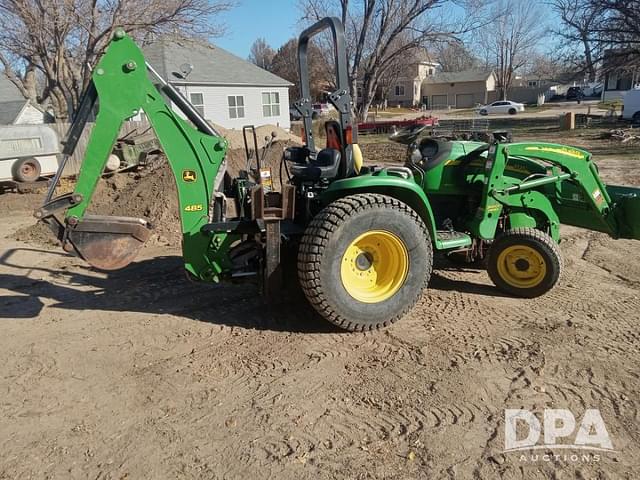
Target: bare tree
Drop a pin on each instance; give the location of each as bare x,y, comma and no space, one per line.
454,56
544,67
53,42
390,77
285,65
381,31
262,54
515,33
618,24
606,31
617,31
579,18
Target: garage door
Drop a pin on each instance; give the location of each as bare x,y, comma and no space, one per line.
438,101
464,100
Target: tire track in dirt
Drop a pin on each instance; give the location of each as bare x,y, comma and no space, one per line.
28,369
561,385
205,382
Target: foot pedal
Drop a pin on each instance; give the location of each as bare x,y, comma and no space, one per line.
447,239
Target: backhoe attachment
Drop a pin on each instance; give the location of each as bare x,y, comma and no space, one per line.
120,89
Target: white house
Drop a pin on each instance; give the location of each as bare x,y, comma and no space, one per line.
621,74
226,89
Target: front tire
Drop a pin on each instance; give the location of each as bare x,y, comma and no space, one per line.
524,262
364,261
512,111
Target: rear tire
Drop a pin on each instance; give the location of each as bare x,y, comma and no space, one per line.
636,118
524,262
26,170
364,261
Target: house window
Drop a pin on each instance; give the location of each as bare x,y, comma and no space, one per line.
197,100
270,104
399,91
431,71
236,106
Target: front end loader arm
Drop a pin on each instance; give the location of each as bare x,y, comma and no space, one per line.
122,88
571,192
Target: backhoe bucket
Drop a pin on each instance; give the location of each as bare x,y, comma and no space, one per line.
108,243
626,209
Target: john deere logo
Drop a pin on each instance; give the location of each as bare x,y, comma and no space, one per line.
188,176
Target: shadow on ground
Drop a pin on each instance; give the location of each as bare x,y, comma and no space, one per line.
159,286
152,286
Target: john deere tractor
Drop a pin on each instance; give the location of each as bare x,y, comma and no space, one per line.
364,236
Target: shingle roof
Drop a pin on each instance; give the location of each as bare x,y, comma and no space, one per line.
9,111
8,91
211,65
458,77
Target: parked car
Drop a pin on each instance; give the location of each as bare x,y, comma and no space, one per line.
631,106
574,93
321,109
501,106
28,152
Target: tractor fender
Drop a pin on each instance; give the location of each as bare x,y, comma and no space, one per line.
385,183
525,206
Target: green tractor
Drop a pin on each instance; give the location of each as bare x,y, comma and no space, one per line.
363,237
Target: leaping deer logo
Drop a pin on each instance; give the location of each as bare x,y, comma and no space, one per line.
188,176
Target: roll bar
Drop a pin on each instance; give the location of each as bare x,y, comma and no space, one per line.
340,98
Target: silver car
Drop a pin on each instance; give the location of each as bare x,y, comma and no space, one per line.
503,107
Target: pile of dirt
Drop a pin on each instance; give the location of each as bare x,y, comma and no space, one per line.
36,234
237,159
263,134
151,194
21,202
39,233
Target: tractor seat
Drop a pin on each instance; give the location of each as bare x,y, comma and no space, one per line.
325,165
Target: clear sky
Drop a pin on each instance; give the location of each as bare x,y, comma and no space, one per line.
274,20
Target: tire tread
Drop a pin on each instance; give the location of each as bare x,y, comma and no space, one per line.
316,238
532,234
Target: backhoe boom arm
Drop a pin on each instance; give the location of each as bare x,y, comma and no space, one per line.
122,88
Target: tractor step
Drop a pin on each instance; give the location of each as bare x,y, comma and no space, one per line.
447,239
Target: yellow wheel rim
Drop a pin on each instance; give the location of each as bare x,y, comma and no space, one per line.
521,266
374,266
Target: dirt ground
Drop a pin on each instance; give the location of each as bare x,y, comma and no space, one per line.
141,374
